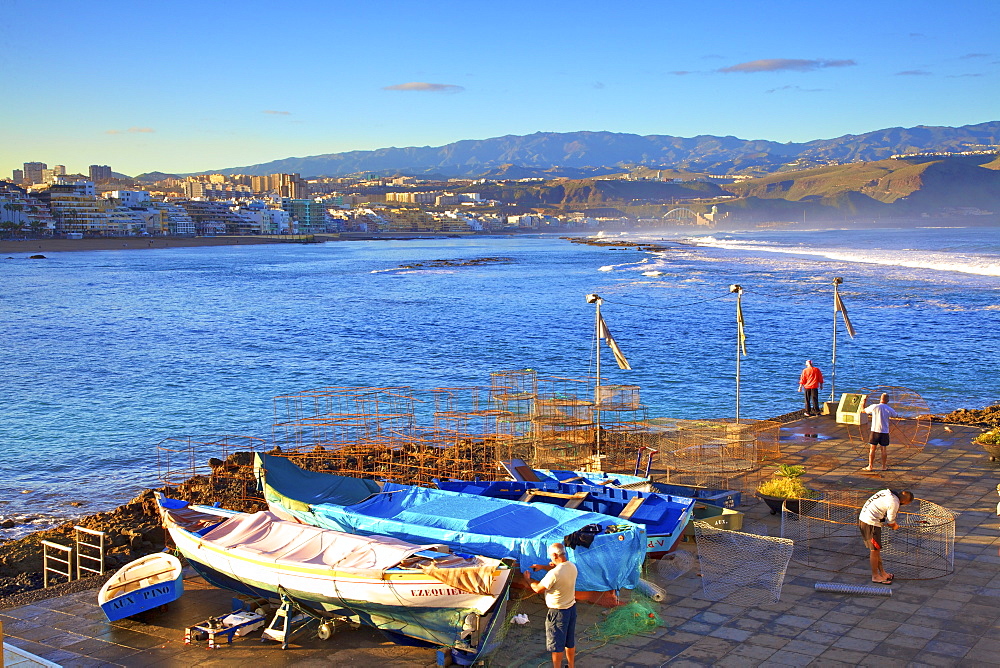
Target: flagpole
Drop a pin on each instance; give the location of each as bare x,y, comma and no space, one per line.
739,344
833,362
597,301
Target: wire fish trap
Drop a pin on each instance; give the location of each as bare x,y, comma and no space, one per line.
741,568
827,537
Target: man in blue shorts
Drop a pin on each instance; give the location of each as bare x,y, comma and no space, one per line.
559,587
880,412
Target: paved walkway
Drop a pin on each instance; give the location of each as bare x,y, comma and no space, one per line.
952,620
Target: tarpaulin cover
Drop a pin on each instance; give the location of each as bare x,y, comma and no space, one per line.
662,514
467,523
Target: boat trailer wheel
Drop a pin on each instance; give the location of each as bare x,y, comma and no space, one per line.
326,630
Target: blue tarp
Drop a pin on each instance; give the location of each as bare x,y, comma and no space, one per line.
467,523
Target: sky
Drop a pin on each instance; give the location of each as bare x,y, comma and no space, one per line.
184,86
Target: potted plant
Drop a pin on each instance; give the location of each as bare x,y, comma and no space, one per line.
990,440
785,487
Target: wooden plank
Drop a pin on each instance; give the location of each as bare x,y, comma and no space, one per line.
631,507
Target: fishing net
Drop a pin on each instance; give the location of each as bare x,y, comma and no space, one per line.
741,568
670,566
826,536
628,620
908,432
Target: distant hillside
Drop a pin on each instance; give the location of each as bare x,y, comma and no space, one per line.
597,151
896,188
582,193
912,185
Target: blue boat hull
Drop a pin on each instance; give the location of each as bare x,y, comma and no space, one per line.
663,515
143,599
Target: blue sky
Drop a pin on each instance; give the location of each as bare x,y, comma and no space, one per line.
193,86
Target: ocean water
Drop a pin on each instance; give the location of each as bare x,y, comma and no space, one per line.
108,353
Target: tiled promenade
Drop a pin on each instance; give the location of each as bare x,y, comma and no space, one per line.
952,620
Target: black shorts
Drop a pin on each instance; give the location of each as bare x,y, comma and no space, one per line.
872,535
879,438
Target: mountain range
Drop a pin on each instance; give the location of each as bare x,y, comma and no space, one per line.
583,154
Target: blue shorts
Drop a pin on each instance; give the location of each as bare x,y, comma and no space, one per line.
560,629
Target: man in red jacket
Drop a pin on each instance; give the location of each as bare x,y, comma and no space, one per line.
810,381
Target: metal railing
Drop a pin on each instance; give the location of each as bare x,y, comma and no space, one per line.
89,549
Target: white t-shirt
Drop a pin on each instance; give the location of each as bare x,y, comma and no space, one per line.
880,417
880,508
560,586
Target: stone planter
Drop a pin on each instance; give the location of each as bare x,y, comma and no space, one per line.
794,505
992,449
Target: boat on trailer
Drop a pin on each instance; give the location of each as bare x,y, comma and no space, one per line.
422,592
141,585
610,558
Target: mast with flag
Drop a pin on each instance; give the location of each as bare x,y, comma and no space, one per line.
602,332
741,341
838,307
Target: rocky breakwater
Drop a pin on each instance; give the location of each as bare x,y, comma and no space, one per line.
130,531
987,418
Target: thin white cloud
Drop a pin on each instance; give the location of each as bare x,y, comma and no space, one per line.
975,55
598,85
795,89
423,86
277,113
141,130
785,64
913,73
680,73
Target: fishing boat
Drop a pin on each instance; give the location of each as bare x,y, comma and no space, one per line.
422,592
142,585
609,560
663,515
518,470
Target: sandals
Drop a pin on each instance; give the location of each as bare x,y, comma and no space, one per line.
887,581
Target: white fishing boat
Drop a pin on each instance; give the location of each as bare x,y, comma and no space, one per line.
419,591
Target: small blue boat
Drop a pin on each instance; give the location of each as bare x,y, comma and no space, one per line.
518,470
144,584
663,515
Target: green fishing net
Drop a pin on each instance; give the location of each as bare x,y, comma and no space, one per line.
628,620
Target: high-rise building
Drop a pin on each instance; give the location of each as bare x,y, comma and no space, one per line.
33,171
18,175
282,185
100,173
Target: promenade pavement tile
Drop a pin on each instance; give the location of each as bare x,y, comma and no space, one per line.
946,621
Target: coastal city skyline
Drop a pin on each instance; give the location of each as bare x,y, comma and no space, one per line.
141,90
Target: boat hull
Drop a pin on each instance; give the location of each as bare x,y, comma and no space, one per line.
495,528
664,516
406,600
121,598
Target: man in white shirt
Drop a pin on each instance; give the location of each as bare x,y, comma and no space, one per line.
880,510
559,587
880,412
